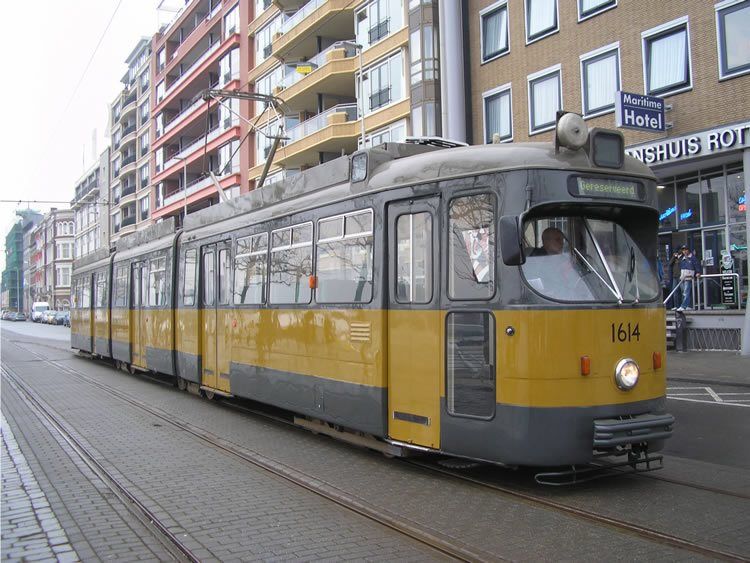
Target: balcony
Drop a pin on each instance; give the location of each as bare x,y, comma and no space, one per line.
127,190
131,99
379,30
326,18
188,71
198,185
127,221
186,112
128,160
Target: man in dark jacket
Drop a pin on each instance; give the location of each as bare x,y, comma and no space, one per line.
690,269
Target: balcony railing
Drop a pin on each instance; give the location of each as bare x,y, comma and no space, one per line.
195,186
320,121
378,31
300,15
206,54
267,50
130,99
215,132
380,98
127,221
316,62
179,117
128,160
128,190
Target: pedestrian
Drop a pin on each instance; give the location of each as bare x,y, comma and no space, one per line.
673,275
689,271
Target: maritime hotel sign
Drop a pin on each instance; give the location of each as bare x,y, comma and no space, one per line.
705,143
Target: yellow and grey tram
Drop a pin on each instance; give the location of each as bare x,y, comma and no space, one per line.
495,302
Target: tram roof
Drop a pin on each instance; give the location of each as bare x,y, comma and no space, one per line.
392,165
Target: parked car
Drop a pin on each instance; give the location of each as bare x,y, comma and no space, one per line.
17,317
6,315
59,318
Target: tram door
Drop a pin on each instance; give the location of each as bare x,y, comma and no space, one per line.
414,325
139,288
215,316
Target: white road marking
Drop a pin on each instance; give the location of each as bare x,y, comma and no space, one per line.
730,398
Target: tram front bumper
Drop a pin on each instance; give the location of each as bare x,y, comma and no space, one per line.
627,430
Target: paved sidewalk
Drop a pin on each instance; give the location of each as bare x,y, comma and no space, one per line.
726,368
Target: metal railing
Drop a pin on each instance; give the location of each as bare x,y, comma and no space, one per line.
316,62
301,14
379,30
185,73
179,117
697,292
320,121
380,98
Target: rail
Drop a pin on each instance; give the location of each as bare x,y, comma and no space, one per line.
318,122
697,293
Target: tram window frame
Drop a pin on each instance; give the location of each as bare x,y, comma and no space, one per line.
188,299
282,241
491,252
86,292
249,248
157,265
100,290
344,237
428,251
224,269
489,360
208,293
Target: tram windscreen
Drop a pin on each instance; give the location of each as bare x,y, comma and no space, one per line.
581,259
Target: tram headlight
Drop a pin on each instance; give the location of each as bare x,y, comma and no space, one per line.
626,374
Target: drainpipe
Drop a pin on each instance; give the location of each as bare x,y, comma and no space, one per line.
452,87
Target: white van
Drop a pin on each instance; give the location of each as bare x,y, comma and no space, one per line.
37,308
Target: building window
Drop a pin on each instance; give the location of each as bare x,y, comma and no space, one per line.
161,59
144,176
666,58
494,30
393,133
384,83
144,144
264,38
541,19
144,111
145,208
600,80
229,67
160,91
267,84
498,116
545,97
232,21
591,8
733,37
378,20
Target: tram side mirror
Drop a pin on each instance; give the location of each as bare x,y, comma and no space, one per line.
510,241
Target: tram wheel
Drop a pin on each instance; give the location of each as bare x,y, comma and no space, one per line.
181,384
131,369
210,395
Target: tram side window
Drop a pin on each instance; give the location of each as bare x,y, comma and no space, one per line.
85,292
344,259
291,264
224,273
414,258
100,295
120,298
470,370
471,250
157,284
209,278
188,282
250,270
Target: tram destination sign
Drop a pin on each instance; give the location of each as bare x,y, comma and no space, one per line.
638,111
605,187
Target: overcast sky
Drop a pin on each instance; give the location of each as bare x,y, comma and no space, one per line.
48,125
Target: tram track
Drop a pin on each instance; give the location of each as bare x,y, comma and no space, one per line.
644,532
438,544
388,520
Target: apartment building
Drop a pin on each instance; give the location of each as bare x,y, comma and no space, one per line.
204,46
14,287
130,118
530,58
349,72
90,206
51,259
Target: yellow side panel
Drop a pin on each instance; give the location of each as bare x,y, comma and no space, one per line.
415,375
121,319
208,347
80,322
540,364
101,323
187,334
226,323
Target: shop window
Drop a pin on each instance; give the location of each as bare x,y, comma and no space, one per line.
688,204
667,207
666,58
600,76
738,252
736,195
733,36
713,200
498,115
591,8
494,30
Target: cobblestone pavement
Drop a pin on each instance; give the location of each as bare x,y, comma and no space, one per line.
234,512
30,529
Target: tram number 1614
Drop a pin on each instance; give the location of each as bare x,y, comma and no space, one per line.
625,333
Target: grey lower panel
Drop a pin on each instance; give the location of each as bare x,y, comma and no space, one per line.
121,351
80,342
359,407
101,346
189,367
536,436
160,360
